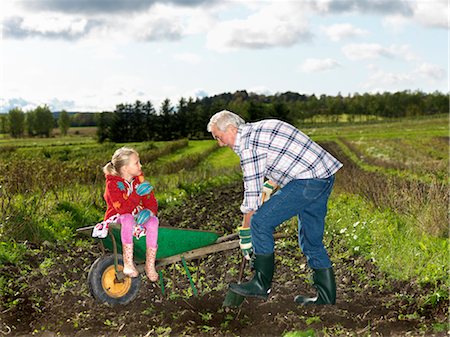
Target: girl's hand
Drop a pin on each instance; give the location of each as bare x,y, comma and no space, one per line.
144,188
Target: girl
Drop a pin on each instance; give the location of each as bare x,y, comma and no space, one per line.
131,202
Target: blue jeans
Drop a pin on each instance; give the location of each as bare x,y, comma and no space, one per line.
305,198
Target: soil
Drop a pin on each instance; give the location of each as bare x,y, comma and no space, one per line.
57,302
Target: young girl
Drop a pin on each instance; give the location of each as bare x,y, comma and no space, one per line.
131,202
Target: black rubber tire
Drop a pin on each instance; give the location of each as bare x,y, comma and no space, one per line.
104,286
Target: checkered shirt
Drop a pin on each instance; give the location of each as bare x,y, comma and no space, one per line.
280,152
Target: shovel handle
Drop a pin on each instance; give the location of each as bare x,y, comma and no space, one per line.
241,271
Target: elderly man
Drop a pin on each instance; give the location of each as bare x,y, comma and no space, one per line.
304,171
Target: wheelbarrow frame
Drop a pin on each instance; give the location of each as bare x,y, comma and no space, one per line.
112,265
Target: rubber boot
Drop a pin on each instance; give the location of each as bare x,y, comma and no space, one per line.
261,283
325,285
129,269
150,259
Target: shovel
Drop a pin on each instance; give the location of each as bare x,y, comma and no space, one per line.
233,300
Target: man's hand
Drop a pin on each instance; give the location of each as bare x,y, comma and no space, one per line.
245,242
144,188
268,188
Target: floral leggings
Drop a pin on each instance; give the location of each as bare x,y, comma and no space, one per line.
151,227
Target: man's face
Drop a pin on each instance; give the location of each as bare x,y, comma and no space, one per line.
225,138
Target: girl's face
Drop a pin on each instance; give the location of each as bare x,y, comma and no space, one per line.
132,169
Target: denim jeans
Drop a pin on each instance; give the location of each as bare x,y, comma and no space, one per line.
305,198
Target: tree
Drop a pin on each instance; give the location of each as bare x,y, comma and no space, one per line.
16,122
43,121
4,123
64,122
166,112
104,124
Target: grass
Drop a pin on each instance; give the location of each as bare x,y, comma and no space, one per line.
390,240
437,126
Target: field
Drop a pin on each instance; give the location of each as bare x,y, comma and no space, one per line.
387,235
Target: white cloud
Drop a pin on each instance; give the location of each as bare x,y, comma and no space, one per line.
362,6
387,80
374,50
433,13
431,71
260,90
339,32
315,65
396,23
276,24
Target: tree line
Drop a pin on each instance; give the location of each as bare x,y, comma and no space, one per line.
140,121
188,118
37,122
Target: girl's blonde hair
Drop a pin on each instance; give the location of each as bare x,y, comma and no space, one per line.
119,159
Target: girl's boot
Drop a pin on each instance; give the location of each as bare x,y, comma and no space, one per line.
129,269
150,269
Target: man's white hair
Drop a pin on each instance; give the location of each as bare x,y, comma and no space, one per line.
223,119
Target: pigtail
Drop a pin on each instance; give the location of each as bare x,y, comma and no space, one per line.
109,169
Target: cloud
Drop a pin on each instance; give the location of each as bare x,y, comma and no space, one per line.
431,71
160,28
54,104
387,80
161,21
49,27
382,80
278,24
432,13
402,7
374,50
339,32
102,6
315,65
260,90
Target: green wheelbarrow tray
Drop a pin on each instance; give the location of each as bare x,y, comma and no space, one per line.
171,241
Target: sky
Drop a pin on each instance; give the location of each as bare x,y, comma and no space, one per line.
90,55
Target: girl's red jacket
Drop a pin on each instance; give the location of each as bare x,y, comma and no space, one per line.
121,196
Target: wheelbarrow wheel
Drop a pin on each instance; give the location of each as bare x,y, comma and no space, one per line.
104,285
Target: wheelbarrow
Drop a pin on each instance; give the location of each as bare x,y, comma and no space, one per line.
108,284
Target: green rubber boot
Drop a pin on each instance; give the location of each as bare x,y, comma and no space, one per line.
325,284
261,283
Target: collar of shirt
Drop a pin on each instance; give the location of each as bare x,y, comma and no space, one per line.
237,141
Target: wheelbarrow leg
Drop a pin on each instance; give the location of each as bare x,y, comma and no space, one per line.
194,289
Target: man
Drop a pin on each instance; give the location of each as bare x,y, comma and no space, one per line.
304,171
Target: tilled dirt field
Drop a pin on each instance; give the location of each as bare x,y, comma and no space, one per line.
57,302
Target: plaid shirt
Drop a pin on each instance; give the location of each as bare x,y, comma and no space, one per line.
280,152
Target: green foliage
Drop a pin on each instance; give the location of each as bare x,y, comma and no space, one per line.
389,240
11,252
40,121
16,118
306,333
64,122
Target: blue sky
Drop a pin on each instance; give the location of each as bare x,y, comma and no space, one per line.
90,55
